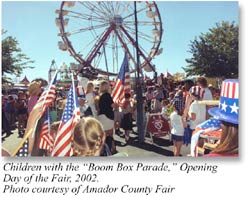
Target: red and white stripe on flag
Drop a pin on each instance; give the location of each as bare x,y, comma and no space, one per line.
230,90
62,145
71,115
122,85
118,91
127,88
46,141
48,96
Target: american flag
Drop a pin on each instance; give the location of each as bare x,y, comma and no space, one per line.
48,96
71,115
23,151
122,85
209,125
46,141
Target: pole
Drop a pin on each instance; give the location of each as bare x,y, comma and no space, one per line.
140,123
106,61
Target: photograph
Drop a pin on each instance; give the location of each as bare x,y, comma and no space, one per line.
126,79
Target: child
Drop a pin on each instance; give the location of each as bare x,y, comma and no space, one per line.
88,138
177,130
164,108
127,122
196,113
22,112
90,98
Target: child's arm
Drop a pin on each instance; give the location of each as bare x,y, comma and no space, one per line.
192,116
184,123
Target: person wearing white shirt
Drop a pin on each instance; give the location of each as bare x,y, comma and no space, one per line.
206,93
90,98
197,112
177,131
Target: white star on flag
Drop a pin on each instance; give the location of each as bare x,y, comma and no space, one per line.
234,108
224,106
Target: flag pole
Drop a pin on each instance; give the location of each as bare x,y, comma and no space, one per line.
139,98
73,84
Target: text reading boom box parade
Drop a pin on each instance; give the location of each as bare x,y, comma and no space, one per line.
95,167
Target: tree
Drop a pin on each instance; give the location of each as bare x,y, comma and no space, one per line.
215,54
179,76
13,60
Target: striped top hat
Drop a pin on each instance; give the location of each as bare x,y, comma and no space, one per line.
197,91
228,109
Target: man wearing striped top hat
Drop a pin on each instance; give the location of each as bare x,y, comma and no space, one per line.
197,112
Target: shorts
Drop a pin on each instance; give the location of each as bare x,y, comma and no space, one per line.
107,123
176,138
127,122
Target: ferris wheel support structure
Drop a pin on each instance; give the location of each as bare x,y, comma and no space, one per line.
110,25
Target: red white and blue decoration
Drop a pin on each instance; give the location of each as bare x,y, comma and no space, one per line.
228,109
197,91
80,91
209,125
122,85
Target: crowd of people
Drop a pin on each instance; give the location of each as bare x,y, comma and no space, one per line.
101,118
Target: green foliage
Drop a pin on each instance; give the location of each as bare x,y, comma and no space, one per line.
13,60
215,54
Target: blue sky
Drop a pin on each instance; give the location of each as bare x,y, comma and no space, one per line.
33,24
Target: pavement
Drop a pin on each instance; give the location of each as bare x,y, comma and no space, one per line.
159,147
151,147
10,142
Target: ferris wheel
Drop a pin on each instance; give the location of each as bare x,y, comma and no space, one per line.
98,34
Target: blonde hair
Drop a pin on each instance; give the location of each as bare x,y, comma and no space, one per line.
88,137
89,86
104,87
